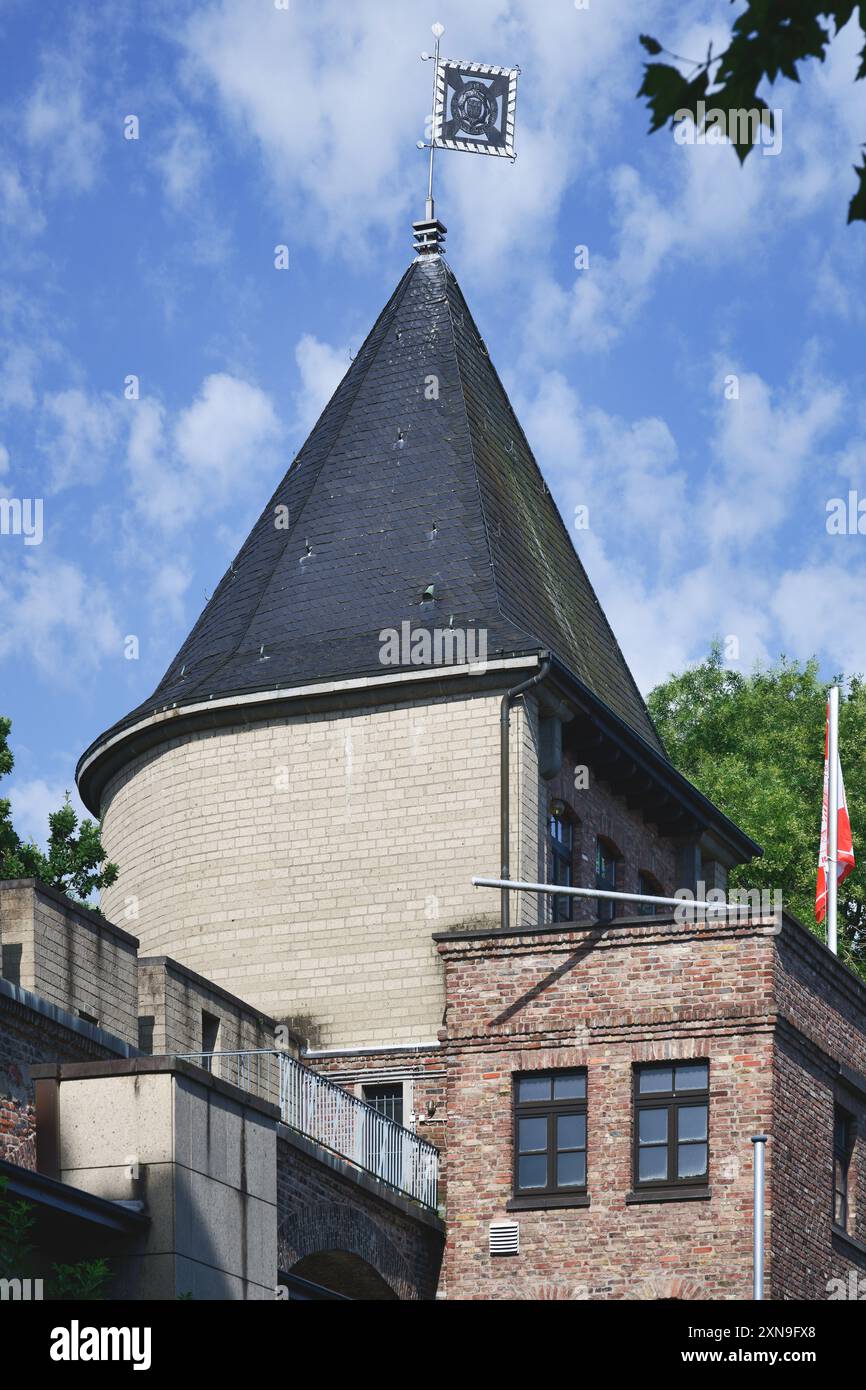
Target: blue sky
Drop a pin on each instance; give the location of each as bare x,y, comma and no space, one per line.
261,126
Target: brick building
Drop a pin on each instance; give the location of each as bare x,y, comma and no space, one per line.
672,1044
404,681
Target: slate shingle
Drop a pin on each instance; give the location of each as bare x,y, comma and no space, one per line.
392,492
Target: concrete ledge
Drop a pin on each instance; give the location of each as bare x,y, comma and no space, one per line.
344,1168
174,967
86,914
149,1066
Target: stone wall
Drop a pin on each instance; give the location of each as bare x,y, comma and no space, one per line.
69,956
172,1003
200,1155
303,863
338,1229
33,1031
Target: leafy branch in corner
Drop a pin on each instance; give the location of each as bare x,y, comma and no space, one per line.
768,40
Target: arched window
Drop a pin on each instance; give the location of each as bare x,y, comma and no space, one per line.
560,858
607,862
648,884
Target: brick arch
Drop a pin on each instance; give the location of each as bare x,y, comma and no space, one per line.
337,1226
673,1286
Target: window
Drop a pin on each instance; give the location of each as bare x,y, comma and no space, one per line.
843,1147
387,1099
382,1143
606,858
671,1136
549,1136
11,962
648,884
146,1025
560,839
210,1027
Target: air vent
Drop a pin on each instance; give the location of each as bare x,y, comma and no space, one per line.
504,1238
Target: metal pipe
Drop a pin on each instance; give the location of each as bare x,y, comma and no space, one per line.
557,890
504,778
438,31
833,818
759,1141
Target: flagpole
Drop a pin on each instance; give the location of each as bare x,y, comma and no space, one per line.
833,818
438,31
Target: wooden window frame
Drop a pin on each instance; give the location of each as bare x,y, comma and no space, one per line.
673,1101
561,908
552,1195
842,1157
606,907
654,890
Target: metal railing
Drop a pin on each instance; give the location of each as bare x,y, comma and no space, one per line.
332,1117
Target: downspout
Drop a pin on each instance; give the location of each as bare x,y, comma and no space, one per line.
504,775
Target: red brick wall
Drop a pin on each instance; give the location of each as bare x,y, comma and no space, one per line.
823,1025
607,999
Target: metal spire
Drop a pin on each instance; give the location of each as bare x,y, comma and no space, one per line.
430,234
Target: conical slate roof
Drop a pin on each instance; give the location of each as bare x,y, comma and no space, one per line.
416,474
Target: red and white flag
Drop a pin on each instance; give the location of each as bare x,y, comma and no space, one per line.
844,844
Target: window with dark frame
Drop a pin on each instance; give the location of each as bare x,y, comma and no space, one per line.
382,1144
606,857
387,1098
671,1125
560,840
549,1135
648,886
843,1148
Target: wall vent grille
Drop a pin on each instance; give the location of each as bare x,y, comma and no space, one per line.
504,1238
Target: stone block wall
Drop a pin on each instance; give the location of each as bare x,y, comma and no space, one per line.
69,956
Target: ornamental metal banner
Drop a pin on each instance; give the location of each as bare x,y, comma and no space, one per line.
474,108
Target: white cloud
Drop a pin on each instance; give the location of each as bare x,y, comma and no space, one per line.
4,458
60,128
322,368
219,450
78,433
764,444
334,97
17,378
56,617
18,208
676,564
183,161
821,607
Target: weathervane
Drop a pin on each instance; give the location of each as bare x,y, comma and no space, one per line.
473,111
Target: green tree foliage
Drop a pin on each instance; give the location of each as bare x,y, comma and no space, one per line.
83,1282
755,745
768,40
75,862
